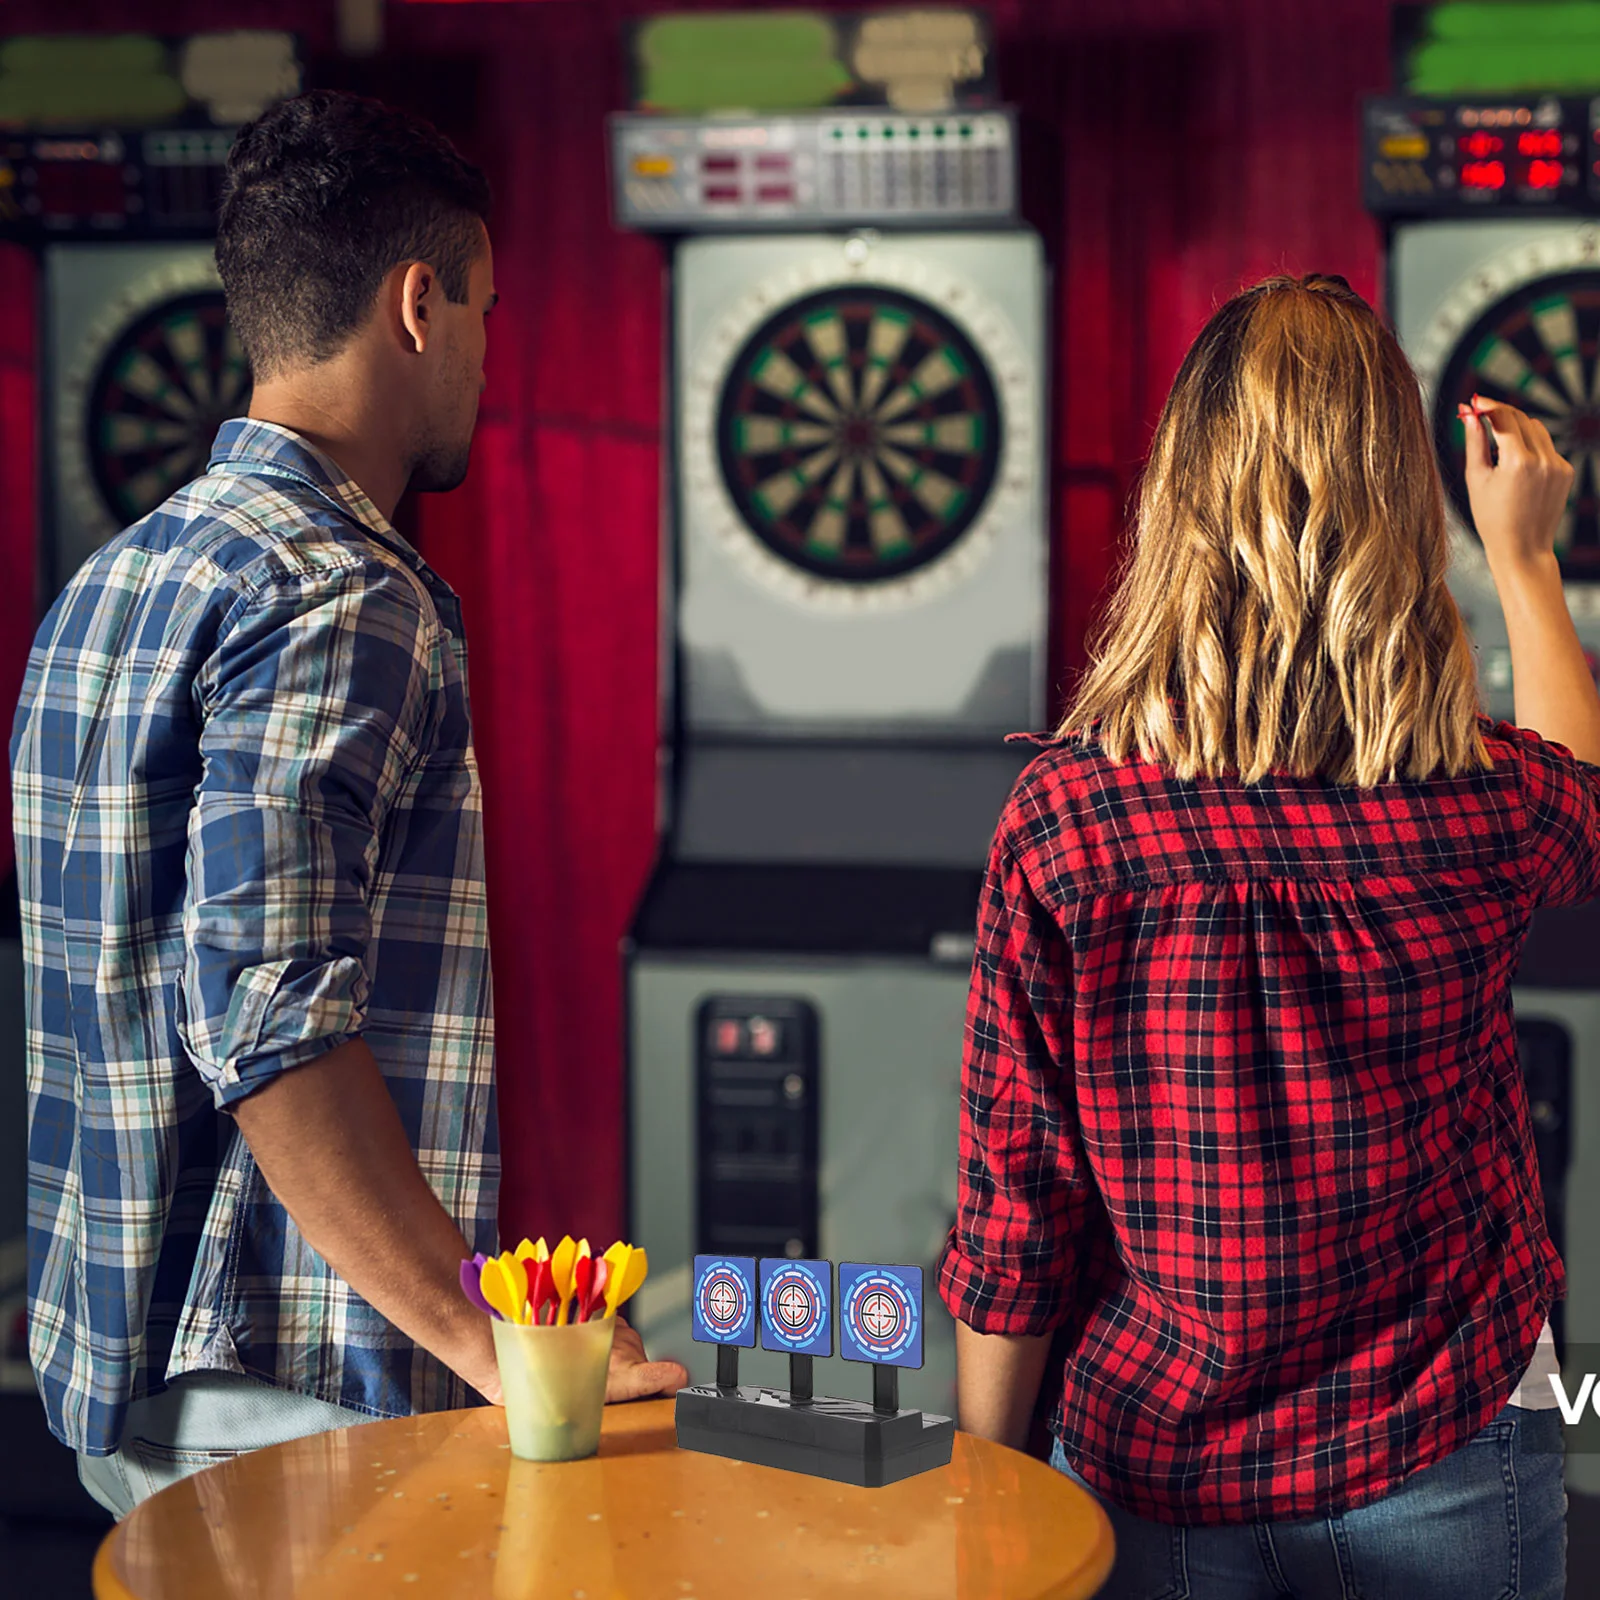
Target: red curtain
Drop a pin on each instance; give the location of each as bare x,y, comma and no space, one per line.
1172,150
18,611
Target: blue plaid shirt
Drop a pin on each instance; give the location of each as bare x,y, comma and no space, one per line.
248,830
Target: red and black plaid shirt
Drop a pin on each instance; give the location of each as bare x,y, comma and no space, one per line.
1243,1121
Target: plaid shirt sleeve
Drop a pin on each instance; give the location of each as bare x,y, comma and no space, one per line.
1028,1203
312,712
1562,798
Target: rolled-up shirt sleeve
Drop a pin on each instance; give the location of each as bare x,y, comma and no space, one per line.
1562,797
312,713
1026,1194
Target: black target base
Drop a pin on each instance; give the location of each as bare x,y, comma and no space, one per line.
846,1440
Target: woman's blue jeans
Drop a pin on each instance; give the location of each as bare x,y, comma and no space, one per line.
1488,1522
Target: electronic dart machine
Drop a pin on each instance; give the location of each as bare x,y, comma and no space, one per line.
856,618
138,366
1491,209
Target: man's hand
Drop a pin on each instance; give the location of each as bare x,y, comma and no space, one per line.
632,1376
329,1143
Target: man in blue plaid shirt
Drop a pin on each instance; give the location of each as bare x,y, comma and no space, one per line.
260,1039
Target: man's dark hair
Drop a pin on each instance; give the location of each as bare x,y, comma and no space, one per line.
324,194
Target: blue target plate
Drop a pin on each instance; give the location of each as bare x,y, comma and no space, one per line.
880,1314
796,1306
724,1310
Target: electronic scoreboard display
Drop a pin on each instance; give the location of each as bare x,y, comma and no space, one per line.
1462,158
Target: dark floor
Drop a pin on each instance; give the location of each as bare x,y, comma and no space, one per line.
50,1529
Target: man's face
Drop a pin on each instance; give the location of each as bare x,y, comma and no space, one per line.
444,444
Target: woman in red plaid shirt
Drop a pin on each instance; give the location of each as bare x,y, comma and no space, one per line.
1244,1139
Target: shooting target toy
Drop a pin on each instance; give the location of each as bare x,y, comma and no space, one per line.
796,1307
880,1314
725,1300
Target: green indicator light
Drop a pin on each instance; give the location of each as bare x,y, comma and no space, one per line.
862,133
938,130
966,130
888,133
914,132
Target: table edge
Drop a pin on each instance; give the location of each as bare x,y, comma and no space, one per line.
106,1582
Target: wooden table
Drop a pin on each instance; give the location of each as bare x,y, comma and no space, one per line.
437,1506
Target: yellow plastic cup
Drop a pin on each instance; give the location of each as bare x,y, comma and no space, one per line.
554,1384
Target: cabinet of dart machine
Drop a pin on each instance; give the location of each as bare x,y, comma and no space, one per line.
856,619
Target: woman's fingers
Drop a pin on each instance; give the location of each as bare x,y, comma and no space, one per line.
1546,447
1513,444
1477,431
1518,489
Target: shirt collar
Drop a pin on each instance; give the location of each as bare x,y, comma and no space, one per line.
248,445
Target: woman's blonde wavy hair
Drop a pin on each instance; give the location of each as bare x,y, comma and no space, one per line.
1284,608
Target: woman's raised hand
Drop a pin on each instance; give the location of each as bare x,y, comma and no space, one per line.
1518,499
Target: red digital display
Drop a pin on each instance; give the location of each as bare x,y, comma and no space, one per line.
82,189
1544,174
1483,175
1478,146
1546,143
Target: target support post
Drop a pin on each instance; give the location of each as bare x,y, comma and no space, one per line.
885,1388
800,1380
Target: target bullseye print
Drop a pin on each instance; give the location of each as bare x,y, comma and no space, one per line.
796,1307
880,1314
725,1300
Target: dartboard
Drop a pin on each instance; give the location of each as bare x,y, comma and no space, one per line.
1538,348
859,433
172,377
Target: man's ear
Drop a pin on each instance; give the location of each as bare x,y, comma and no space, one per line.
418,292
